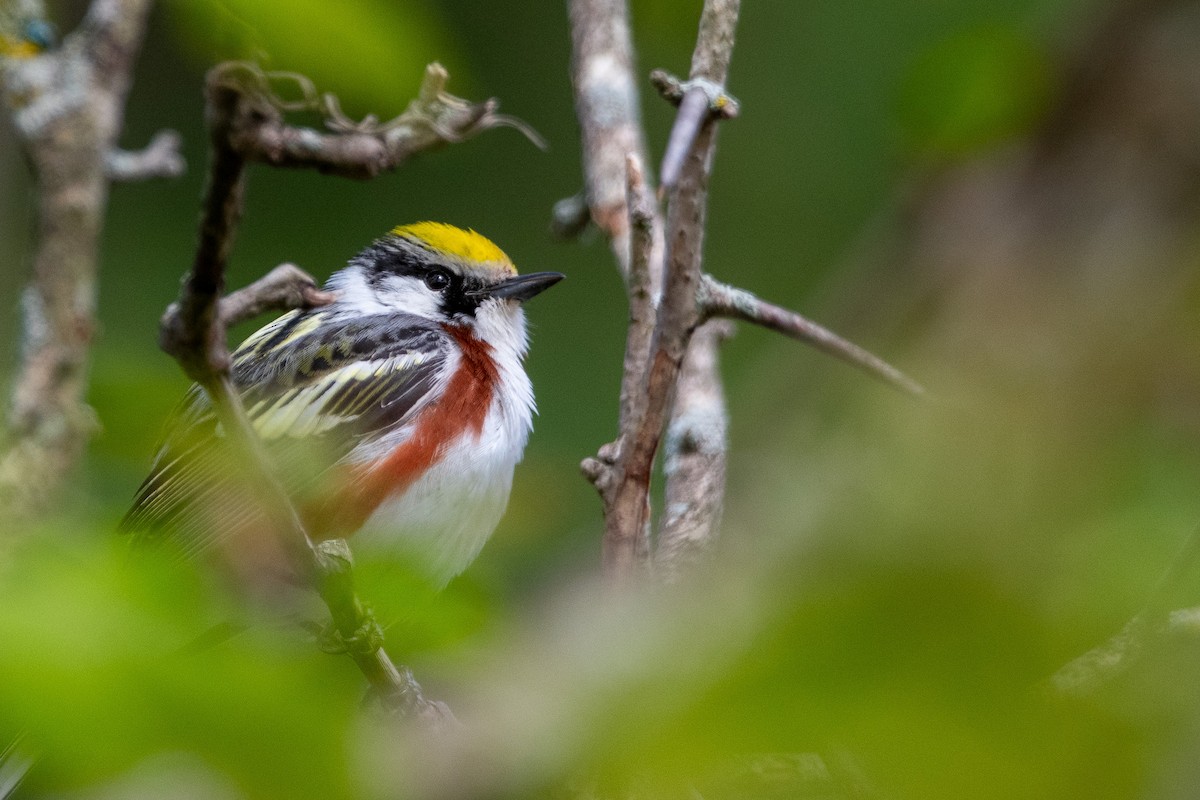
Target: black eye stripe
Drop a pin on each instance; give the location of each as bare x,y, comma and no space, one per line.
383,260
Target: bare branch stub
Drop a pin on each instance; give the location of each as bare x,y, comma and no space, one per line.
697,99
158,159
570,216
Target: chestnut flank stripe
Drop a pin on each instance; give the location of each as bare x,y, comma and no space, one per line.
461,410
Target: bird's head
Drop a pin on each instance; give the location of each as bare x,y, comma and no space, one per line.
443,273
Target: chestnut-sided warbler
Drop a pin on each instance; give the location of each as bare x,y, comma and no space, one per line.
400,409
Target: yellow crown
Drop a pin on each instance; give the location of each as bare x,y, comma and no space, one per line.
464,244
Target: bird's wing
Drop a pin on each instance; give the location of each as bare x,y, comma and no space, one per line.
313,387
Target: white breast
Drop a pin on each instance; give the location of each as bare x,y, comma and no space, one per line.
444,518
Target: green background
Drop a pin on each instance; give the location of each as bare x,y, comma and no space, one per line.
896,581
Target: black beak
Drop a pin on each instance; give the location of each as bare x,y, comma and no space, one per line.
521,287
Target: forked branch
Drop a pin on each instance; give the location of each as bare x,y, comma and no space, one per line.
671,381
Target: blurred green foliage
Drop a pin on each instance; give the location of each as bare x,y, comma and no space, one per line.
973,90
896,581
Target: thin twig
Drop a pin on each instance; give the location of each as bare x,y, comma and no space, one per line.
284,288
693,112
717,299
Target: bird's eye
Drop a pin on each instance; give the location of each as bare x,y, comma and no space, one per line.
437,279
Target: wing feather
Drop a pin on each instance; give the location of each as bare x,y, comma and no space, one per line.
314,386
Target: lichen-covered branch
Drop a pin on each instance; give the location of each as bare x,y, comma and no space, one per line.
671,380
67,106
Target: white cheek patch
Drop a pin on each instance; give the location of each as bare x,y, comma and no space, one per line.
408,294
388,295
354,293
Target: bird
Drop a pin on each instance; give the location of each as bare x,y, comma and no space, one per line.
395,414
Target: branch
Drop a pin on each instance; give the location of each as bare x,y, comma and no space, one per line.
353,149
284,288
622,206
67,106
679,316
717,299
620,200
